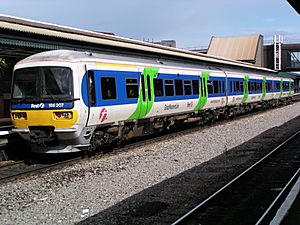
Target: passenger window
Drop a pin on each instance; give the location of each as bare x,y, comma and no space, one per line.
286,86
260,86
158,87
187,87
169,87
195,84
236,87
268,86
257,86
216,86
108,86
178,87
242,86
132,88
223,86
209,87
252,86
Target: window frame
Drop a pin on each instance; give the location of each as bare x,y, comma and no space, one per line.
114,93
169,87
180,91
136,85
187,86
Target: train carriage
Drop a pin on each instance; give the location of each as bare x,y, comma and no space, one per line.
64,101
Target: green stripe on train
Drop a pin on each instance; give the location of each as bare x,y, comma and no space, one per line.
203,92
281,88
246,91
145,105
264,88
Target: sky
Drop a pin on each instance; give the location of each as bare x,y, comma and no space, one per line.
191,23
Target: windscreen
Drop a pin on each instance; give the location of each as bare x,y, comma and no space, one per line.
43,83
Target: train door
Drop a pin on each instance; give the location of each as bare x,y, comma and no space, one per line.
203,93
246,89
281,87
290,87
91,93
146,93
264,88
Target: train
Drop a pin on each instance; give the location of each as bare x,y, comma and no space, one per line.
67,101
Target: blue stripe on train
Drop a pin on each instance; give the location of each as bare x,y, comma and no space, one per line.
42,105
122,99
120,81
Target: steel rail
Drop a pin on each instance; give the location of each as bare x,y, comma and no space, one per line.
32,169
185,216
287,187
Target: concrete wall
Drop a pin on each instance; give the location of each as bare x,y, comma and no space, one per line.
259,58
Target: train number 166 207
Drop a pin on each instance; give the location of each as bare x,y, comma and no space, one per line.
56,105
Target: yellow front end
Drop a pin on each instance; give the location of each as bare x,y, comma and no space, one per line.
23,119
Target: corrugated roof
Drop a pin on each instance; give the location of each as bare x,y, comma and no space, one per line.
21,43
236,48
52,30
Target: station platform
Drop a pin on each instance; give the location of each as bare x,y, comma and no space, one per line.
5,129
5,133
5,124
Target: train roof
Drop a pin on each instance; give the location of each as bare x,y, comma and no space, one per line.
86,57
125,44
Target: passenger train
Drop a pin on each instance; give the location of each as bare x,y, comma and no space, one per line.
67,101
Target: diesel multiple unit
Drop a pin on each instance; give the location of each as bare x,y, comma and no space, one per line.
65,101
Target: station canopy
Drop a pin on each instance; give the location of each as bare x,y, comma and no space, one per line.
19,37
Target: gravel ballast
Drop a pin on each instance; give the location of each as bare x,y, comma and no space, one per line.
103,190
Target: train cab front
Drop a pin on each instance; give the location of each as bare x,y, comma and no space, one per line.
43,108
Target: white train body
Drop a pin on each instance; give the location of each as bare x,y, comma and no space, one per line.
65,101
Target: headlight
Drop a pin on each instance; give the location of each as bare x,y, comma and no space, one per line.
63,115
19,115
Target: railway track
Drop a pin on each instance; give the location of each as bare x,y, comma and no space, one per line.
20,169
254,196
32,166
